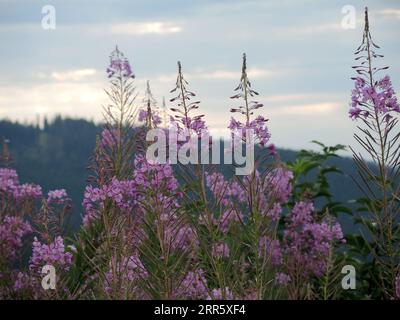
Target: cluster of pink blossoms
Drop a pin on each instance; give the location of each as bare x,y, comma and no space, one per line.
181,238
128,270
155,118
122,193
23,281
280,184
221,294
9,184
379,97
258,126
270,250
57,196
187,126
282,278
220,250
12,230
193,286
196,124
182,117
306,242
129,194
224,191
109,137
52,254
119,65
274,190
154,176
151,184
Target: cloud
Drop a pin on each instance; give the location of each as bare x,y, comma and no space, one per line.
125,28
73,75
220,74
166,78
143,28
389,13
310,30
306,109
214,7
78,99
286,97
299,98
228,74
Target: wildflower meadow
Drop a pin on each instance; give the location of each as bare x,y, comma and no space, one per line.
170,212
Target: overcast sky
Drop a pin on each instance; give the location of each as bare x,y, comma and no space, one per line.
299,57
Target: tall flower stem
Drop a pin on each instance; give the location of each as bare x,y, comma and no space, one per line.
375,103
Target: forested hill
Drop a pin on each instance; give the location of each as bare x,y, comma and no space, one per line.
56,156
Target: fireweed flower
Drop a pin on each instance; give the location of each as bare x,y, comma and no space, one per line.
119,66
150,187
182,114
371,98
158,177
373,101
398,286
128,270
149,113
182,237
144,115
193,286
28,190
91,196
270,250
158,190
224,190
220,250
26,285
275,212
273,190
122,193
9,184
8,178
221,294
307,242
12,230
280,184
23,281
109,137
379,97
57,195
282,278
52,254
131,194
258,125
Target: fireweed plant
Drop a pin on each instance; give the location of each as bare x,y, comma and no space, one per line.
375,107
154,231
176,231
30,219
149,113
208,236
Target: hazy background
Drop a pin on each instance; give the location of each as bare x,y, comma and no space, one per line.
299,57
